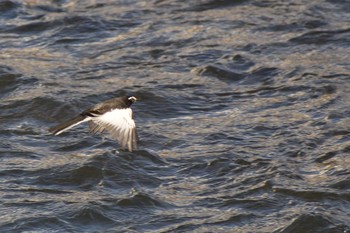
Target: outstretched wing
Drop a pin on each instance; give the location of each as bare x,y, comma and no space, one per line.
119,124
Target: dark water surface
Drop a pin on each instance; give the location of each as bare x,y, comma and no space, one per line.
243,119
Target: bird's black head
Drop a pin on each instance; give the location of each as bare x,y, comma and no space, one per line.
131,99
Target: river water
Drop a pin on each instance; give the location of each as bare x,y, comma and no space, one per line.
243,116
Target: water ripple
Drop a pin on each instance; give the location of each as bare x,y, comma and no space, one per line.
242,116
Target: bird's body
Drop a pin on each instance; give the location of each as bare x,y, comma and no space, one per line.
114,115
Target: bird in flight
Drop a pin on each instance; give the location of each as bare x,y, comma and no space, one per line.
114,116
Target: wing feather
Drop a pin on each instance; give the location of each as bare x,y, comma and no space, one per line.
119,124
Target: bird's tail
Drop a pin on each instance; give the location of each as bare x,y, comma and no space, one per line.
68,124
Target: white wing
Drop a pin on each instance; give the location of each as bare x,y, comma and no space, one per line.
119,124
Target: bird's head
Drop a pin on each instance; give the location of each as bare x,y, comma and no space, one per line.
132,99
